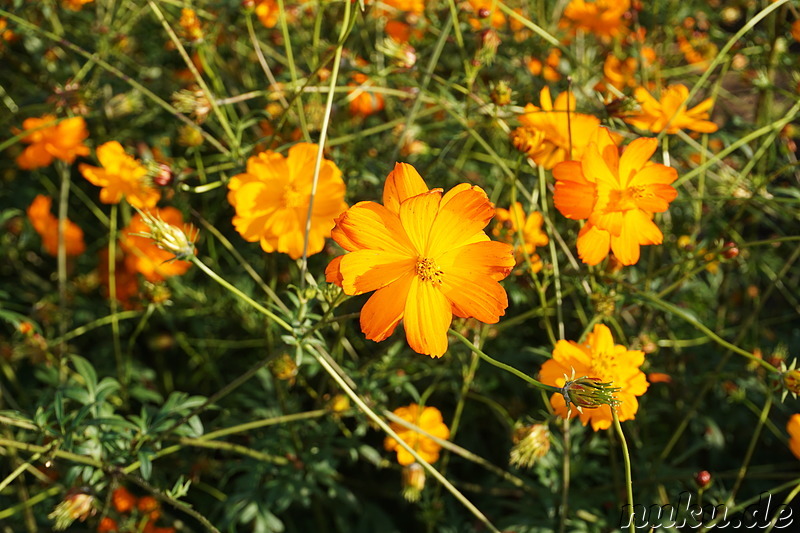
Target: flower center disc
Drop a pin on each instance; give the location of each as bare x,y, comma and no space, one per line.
428,270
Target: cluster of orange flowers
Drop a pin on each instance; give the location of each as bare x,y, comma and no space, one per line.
134,510
51,139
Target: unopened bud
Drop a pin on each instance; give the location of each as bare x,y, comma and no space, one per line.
589,393
168,237
730,251
702,478
501,94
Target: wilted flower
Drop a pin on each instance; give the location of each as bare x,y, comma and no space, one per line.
172,239
428,419
77,505
413,481
531,443
190,25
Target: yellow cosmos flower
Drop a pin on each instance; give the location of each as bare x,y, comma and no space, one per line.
617,194
670,112
63,141
598,358
271,200
425,255
793,427
268,12
121,175
554,124
428,419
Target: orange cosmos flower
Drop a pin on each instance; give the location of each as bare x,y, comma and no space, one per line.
121,175
415,7
670,112
796,30
46,225
63,141
142,253
107,525
268,12
618,196
598,358
271,200
793,427
428,419
123,500
508,224
554,125
427,258
603,18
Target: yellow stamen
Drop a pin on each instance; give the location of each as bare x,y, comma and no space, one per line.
428,270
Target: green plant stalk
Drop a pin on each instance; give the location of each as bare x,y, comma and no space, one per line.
260,308
223,120
720,57
750,449
63,206
716,338
503,366
627,459
323,134
385,427
122,373
565,478
553,255
30,502
94,324
791,496
735,509
118,73
287,42
262,60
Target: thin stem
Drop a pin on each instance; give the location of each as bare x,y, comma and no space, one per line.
750,449
507,368
122,373
388,430
627,459
63,206
263,310
565,476
323,134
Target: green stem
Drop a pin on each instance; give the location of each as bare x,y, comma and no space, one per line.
323,134
263,310
627,459
507,368
750,449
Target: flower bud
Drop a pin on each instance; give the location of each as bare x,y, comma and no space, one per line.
702,478
413,481
500,94
589,393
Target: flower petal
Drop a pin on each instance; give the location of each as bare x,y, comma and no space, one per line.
367,270
635,156
368,225
427,318
466,214
402,183
384,309
417,215
593,244
478,297
574,196
486,258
